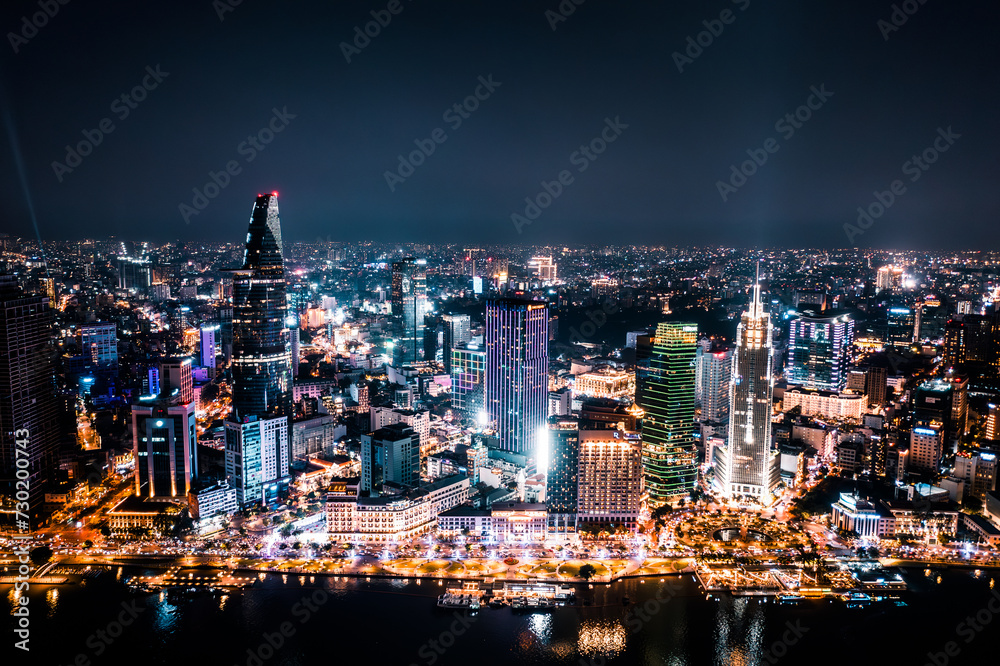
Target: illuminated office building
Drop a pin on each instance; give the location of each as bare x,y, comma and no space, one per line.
561,478
409,306
517,371
819,351
747,466
165,447
29,411
610,478
258,431
261,365
668,424
468,380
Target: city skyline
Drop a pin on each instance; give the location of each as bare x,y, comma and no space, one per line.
586,331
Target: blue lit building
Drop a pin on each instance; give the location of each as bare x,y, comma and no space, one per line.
819,351
517,371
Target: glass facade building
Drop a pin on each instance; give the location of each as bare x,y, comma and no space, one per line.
819,351
409,307
668,424
29,410
561,479
517,371
261,363
468,374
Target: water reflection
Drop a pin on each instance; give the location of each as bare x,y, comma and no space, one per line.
739,631
51,601
601,639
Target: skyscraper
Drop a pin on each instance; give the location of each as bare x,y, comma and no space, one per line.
610,478
747,465
99,343
715,364
165,447
468,373
561,478
28,407
409,305
819,351
456,332
668,425
258,432
390,454
517,371
261,366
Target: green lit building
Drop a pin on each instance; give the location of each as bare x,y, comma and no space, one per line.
668,424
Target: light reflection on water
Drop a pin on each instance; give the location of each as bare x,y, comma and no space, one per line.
601,638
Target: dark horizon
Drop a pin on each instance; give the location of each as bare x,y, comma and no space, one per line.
536,85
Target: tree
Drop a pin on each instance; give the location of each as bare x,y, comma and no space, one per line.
587,571
40,555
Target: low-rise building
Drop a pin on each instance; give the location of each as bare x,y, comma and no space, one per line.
987,532
217,499
392,518
135,517
825,404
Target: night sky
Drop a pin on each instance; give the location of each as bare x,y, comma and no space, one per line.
553,92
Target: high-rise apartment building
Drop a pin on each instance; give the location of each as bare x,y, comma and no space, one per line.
517,371
714,366
668,424
29,412
819,351
747,465
257,458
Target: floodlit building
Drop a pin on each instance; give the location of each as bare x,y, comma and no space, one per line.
609,478
747,465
